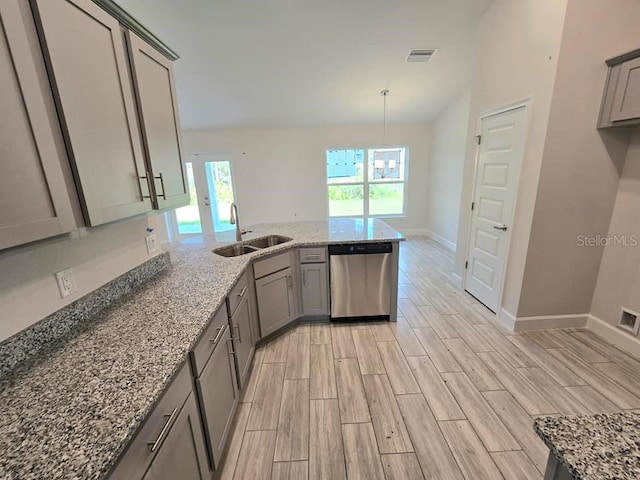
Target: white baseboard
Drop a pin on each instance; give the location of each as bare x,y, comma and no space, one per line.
614,336
441,240
522,324
507,319
414,231
456,280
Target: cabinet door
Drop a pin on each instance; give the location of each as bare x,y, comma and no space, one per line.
276,306
160,123
33,195
182,454
217,394
242,341
626,102
88,66
314,289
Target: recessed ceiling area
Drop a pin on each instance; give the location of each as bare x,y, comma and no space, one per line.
286,63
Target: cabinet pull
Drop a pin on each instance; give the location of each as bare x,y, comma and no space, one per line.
242,292
230,347
304,278
289,283
219,333
165,430
237,329
147,177
312,256
161,178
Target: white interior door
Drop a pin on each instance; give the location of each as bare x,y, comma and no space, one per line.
500,154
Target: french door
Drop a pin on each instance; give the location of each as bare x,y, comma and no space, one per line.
211,190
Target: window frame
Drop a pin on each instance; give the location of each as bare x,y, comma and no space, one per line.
366,182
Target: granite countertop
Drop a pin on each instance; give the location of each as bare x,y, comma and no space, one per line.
595,447
70,412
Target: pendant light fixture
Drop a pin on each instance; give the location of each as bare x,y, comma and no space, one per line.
385,162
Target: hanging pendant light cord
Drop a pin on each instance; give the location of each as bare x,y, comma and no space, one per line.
384,94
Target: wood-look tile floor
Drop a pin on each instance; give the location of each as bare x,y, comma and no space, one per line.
444,393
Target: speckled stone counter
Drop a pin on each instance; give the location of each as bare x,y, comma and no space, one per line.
70,411
595,447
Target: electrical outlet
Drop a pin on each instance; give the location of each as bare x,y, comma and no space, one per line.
152,243
66,282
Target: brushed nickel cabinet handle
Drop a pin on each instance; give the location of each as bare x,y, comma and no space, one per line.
304,278
230,347
237,329
161,178
165,430
219,333
312,256
242,292
147,177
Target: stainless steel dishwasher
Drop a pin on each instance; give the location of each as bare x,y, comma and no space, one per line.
360,279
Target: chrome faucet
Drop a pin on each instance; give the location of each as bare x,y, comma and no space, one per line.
235,220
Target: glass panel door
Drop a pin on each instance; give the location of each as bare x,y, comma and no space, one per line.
211,190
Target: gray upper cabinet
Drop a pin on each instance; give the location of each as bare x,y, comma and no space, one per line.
158,113
33,194
88,65
315,300
621,103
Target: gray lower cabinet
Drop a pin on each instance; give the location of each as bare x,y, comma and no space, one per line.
217,396
242,341
33,192
182,454
315,300
88,65
276,301
170,444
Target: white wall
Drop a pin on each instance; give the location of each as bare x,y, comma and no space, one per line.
516,58
28,288
619,278
581,166
446,168
279,175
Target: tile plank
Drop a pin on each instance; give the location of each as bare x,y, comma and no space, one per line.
407,339
433,453
256,455
235,441
472,337
276,350
557,395
361,452
474,460
411,313
320,333
490,428
515,466
322,374
440,323
593,400
437,351
326,454
516,357
401,466
477,371
266,401
353,401
398,371
342,342
290,471
382,332
391,432
292,441
440,400
367,352
298,356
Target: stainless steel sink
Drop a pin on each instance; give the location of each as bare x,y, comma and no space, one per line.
235,250
250,246
268,241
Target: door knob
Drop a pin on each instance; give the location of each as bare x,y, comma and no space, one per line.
500,227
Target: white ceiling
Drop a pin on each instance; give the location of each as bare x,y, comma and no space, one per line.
295,63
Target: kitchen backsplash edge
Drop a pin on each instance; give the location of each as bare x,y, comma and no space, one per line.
33,340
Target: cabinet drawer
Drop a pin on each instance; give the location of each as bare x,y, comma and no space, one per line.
238,292
313,255
138,455
271,265
207,343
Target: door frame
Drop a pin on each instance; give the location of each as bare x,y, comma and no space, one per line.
198,159
526,103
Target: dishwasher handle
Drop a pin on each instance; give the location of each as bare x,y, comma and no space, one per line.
360,248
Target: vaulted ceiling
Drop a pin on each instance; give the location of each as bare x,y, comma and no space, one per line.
304,63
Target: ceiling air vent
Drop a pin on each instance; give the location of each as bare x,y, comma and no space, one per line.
420,55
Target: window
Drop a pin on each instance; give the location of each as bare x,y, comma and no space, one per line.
366,182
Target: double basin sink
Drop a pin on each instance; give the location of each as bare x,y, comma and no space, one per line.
250,246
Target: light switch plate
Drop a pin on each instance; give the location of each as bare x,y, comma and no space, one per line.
66,282
153,245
